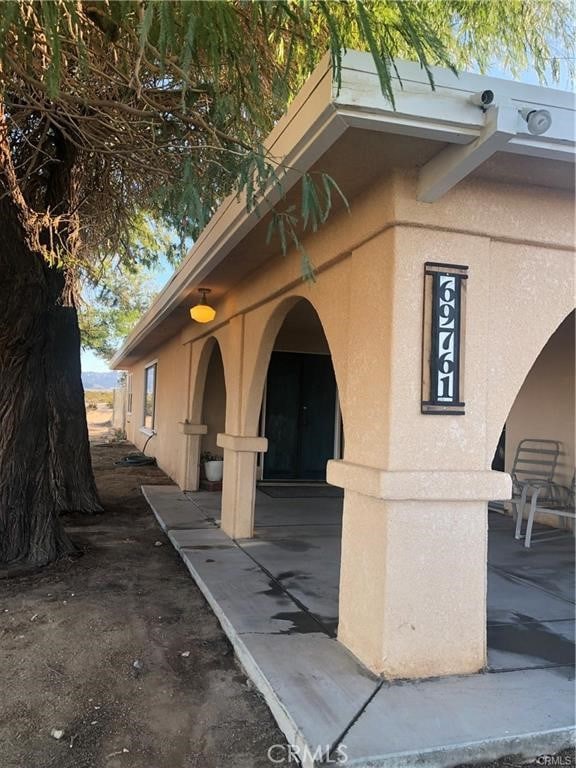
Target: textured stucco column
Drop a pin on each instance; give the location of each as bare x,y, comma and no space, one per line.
413,569
239,483
191,473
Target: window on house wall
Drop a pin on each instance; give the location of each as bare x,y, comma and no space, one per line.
129,393
149,395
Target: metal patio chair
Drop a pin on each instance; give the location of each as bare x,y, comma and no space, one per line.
533,468
561,505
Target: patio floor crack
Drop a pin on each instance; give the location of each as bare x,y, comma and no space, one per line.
354,720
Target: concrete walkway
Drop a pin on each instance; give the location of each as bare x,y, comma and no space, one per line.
276,597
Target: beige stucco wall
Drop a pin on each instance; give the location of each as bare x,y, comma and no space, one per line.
171,403
370,280
517,242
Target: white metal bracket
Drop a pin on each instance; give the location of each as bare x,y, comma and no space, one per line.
455,162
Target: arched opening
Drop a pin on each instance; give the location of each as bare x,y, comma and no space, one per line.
544,406
213,415
530,578
300,415
298,516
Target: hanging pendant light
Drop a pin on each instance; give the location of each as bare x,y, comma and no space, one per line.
203,312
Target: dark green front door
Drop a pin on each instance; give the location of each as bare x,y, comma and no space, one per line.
300,416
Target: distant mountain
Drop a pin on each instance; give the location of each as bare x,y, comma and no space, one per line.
99,379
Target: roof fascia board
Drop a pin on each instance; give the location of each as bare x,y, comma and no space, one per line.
529,146
467,82
447,114
544,146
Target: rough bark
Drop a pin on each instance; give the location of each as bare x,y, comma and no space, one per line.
44,452
30,531
73,480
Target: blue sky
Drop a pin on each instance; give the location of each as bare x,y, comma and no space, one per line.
91,362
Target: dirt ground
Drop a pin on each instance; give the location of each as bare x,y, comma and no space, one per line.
71,633
100,424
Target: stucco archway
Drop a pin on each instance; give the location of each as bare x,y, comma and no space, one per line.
298,400
213,403
207,414
202,353
526,309
301,416
271,324
543,406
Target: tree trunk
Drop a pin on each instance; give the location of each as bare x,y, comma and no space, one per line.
73,479
44,452
30,531
39,381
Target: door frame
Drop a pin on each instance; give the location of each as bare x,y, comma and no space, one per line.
261,458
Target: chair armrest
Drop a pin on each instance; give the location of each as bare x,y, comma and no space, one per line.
559,496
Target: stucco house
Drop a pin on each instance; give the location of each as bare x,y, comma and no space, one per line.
442,311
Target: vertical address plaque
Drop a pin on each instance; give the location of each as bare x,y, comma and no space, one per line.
443,338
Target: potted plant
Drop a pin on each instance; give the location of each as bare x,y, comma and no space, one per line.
213,466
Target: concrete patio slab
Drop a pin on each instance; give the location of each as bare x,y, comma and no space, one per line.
240,593
279,531
200,538
548,565
276,596
178,511
510,599
313,686
464,719
303,512
536,645
307,568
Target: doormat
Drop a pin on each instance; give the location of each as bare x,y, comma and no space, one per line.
302,491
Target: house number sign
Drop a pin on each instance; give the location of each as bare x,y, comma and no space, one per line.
443,338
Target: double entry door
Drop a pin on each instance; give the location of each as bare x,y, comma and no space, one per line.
300,416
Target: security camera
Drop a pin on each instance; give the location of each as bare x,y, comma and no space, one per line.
538,120
482,99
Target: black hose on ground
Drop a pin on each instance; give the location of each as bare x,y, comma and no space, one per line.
137,458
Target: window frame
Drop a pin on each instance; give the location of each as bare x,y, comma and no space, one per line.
151,430
129,394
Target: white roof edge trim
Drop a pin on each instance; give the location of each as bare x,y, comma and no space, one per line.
443,115
412,73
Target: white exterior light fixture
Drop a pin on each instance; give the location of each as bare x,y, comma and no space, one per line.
538,120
